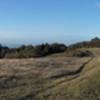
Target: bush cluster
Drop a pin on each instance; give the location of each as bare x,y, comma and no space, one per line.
30,51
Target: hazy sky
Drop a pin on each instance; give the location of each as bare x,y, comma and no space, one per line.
36,21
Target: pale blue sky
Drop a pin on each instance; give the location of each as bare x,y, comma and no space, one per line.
36,21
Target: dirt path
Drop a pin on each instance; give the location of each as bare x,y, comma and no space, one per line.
71,73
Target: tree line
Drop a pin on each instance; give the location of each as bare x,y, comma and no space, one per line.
31,51
95,42
46,49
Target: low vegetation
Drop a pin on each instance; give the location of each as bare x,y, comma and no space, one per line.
30,51
51,78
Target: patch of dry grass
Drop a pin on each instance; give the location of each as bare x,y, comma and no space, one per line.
31,79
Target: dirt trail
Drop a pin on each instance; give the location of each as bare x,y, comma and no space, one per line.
71,73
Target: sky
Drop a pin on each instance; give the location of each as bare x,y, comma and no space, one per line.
40,21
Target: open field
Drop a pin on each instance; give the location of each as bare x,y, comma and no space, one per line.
51,78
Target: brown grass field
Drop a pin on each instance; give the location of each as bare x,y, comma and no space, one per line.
50,78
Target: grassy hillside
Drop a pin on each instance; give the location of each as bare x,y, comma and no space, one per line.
50,78
86,86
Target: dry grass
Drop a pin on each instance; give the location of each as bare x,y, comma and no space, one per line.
49,79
